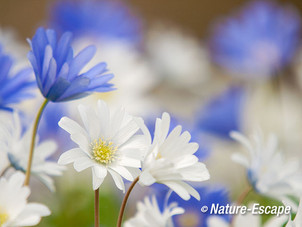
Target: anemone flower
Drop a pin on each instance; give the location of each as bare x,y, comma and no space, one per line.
14,208
258,42
58,71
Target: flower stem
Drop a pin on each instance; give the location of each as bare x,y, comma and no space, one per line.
96,209
33,140
120,216
240,200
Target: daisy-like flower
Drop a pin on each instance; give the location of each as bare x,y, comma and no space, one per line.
267,170
14,209
170,159
262,39
58,72
297,222
107,142
14,88
150,215
14,151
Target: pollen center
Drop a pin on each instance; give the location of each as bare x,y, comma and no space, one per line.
3,218
103,151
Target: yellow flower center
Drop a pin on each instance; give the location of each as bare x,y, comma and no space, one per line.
3,218
103,151
158,156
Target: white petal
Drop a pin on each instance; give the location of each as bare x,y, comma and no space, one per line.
146,178
96,181
83,163
117,180
70,156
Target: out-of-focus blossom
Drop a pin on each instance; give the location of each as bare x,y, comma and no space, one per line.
267,170
247,219
14,87
103,19
133,76
193,217
58,72
49,129
107,143
150,215
14,208
170,159
14,150
223,113
297,222
259,41
177,58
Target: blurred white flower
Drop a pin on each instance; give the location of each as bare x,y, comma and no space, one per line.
14,209
107,142
14,151
133,77
267,170
297,222
149,214
177,57
170,159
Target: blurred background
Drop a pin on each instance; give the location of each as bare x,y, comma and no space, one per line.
215,66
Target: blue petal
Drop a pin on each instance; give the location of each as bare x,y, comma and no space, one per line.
80,61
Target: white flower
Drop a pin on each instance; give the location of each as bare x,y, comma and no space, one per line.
170,159
14,151
149,214
14,209
297,222
177,57
107,142
267,170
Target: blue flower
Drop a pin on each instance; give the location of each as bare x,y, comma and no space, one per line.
193,217
223,113
203,151
104,19
14,88
57,71
258,42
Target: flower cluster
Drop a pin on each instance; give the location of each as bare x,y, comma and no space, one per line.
123,154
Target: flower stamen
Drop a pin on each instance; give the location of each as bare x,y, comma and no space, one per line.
3,218
103,151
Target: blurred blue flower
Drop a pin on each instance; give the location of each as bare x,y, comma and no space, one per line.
14,88
258,42
223,113
193,217
103,19
49,129
203,151
58,71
